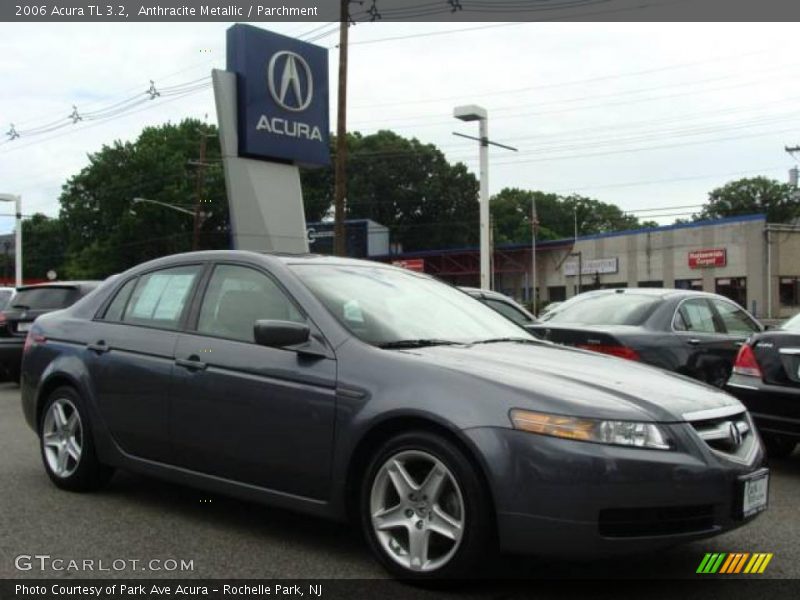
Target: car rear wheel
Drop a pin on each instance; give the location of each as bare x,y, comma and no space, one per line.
424,509
778,446
67,445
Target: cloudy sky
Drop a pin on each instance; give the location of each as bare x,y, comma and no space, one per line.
648,116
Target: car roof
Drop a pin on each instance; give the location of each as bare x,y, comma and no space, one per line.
658,292
279,257
60,284
473,291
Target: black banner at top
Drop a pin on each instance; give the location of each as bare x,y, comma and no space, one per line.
270,11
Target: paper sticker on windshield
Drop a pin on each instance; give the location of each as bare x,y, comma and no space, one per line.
352,312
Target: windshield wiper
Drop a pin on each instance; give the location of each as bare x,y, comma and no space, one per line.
22,306
419,343
519,340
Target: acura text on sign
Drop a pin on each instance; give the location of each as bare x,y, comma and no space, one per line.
282,95
711,257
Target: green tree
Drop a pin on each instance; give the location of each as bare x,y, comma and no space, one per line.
752,195
44,246
511,210
106,233
405,185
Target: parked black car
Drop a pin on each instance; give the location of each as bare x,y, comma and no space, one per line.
692,333
29,302
346,388
766,377
502,304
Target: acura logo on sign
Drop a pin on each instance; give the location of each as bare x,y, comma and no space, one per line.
289,90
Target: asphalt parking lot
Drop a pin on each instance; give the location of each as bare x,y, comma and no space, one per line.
144,519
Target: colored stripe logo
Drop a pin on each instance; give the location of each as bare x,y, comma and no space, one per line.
734,563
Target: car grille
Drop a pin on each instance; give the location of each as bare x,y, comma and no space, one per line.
731,435
653,521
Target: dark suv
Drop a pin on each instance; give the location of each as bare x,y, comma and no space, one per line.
29,302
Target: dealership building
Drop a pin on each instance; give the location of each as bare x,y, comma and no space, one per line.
753,262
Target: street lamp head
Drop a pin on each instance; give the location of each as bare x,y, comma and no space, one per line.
470,112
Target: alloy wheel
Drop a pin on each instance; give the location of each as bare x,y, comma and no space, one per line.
62,437
417,511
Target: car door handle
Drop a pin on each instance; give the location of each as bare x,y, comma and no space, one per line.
99,346
193,363
693,342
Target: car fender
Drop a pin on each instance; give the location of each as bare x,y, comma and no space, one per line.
69,368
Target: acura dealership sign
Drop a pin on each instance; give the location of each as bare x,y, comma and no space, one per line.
282,95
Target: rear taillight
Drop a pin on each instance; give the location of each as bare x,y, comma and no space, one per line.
612,349
746,363
31,340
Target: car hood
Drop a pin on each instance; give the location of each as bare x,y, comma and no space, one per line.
564,380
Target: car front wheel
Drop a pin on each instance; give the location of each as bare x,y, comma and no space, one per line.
424,509
67,446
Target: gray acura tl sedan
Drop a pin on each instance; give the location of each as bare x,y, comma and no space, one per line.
354,390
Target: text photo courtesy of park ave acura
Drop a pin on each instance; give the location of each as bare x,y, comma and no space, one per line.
281,315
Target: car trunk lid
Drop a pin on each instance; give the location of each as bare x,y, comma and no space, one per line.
778,355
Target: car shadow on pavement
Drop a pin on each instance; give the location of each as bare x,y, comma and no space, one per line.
231,513
323,536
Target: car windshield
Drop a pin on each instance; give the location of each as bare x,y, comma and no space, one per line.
44,298
385,306
792,324
607,309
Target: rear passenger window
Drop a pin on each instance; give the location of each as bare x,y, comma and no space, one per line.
159,297
237,297
696,316
114,310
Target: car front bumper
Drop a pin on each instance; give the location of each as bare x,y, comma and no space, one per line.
571,499
774,408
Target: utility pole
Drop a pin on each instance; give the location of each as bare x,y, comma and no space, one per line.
340,186
534,225
201,176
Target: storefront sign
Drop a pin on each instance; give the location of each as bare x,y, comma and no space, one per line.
412,264
590,267
711,257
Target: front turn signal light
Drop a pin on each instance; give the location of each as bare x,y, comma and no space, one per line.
599,431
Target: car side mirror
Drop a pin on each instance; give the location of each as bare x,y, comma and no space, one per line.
279,334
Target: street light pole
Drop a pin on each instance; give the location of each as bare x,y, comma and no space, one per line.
472,112
534,224
17,200
164,204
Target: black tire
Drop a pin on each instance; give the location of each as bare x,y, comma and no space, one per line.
477,546
778,446
86,473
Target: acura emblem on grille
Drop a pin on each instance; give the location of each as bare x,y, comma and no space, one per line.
735,435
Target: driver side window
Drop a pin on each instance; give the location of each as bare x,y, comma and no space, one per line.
237,297
735,319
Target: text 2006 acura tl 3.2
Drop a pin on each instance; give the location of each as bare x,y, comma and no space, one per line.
345,388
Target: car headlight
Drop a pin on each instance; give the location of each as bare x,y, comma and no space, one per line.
618,433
